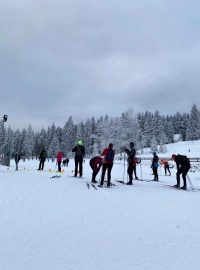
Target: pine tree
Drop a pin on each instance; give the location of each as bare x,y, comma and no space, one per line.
193,130
54,147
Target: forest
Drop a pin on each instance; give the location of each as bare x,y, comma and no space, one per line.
145,129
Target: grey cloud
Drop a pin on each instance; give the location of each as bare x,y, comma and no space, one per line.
85,58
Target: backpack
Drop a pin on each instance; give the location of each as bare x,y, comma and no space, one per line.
184,159
79,151
136,161
110,155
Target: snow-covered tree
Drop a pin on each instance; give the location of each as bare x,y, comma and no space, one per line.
193,127
54,147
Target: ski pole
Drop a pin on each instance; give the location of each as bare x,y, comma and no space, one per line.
124,168
190,182
141,170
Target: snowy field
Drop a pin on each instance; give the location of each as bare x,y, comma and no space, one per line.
59,224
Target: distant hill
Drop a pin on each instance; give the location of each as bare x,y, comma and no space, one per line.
188,148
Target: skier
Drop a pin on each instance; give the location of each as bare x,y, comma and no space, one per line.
42,158
65,162
131,162
95,164
154,166
59,157
166,166
79,150
183,166
108,154
17,159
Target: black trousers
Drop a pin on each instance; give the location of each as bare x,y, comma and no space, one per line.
107,167
167,169
41,165
95,171
78,165
182,170
130,172
155,172
59,166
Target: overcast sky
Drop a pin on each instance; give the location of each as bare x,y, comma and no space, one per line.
94,57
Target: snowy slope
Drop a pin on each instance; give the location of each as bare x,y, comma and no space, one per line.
188,148
57,224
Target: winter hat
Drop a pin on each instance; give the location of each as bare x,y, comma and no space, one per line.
110,145
173,156
80,142
131,144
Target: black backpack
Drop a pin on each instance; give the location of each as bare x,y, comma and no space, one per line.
79,151
110,155
184,159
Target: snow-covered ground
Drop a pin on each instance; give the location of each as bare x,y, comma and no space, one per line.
59,224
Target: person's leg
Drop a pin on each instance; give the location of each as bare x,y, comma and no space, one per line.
94,174
178,177
130,172
165,169
156,174
59,166
76,167
42,165
103,174
185,171
16,163
168,169
81,167
109,174
134,169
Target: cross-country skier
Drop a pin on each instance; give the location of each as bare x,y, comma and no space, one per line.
59,160
154,166
166,166
108,154
42,158
95,164
183,166
79,150
131,162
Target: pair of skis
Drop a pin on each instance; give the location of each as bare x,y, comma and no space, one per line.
143,180
55,176
89,184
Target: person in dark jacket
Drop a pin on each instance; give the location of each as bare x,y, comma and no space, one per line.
65,162
95,164
17,159
154,166
42,158
183,166
108,154
79,150
131,164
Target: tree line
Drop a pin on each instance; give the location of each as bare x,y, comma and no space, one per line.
145,129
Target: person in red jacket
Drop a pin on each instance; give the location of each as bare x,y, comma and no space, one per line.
95,164
166,166
59,160
109,155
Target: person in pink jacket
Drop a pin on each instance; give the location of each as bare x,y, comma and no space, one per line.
59,160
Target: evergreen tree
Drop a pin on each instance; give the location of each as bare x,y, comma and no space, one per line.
193,127
54,147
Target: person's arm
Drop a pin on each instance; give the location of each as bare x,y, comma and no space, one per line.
83,151
128,152
74,149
